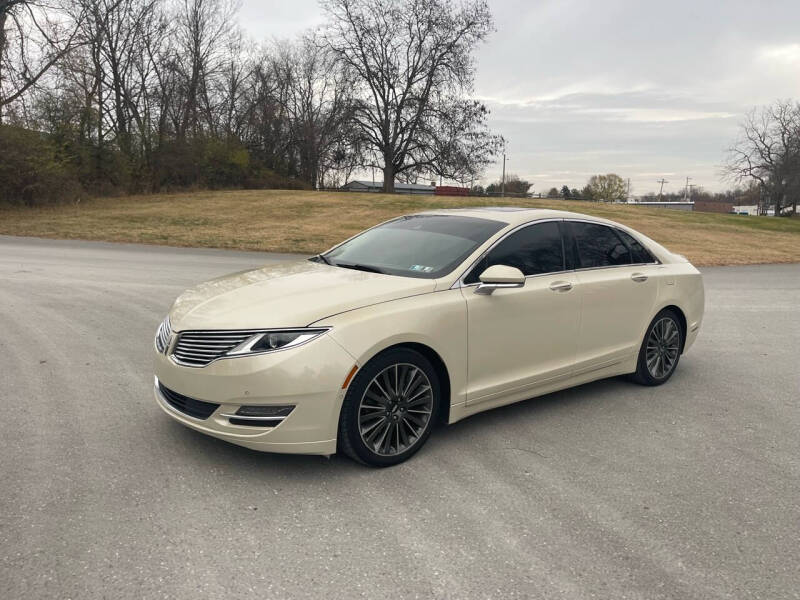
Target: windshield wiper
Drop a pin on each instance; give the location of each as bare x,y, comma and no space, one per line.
358,267
320,257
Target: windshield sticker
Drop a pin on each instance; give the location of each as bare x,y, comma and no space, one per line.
422,268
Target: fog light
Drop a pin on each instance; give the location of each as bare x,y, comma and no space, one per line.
272,410
270,415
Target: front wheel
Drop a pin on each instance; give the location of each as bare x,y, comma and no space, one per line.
389,408
661,349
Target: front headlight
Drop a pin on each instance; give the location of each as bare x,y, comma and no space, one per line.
269,341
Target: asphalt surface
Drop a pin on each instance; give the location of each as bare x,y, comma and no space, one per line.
610,490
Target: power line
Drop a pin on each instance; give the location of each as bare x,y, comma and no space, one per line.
503,189
662,181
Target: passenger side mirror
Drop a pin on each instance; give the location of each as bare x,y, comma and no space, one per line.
499,276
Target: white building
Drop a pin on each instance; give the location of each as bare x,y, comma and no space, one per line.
751,209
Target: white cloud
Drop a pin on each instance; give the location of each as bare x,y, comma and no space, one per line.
656,115
787,53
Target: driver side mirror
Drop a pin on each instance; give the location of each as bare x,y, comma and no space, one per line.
499,276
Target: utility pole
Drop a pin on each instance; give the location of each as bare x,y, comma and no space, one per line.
686,192
503,187
628,192
662,181
692,185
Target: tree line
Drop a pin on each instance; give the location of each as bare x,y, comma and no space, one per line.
599,188
124,96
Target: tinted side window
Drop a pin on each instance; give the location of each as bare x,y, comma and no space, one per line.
599,246
533,250
639,253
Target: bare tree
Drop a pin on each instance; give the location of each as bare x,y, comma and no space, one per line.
228,91
768,152
318,103
414,69
33,37
201,28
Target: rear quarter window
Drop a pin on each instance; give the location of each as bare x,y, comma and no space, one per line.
639,254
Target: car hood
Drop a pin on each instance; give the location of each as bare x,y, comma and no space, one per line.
286,295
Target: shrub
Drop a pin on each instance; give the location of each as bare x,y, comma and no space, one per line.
33,170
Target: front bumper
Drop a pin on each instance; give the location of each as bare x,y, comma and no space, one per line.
309,377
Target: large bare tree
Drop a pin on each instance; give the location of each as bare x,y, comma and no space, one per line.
768,153
414,71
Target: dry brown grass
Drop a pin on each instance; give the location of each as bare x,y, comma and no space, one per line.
308,222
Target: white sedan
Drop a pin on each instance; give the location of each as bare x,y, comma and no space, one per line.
424,319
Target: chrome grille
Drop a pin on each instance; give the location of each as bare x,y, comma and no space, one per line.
163,334
198,348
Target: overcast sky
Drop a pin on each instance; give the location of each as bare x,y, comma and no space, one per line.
643,89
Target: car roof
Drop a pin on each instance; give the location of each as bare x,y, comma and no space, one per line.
513,215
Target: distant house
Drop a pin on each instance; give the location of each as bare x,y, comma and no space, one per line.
360,185
715,207
451,190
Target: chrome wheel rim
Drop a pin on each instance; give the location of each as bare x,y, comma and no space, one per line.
395,410
663,347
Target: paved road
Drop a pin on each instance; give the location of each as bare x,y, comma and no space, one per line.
690,490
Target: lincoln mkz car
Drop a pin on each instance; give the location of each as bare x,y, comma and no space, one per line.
422,320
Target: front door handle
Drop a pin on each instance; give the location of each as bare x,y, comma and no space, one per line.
561,286
639,277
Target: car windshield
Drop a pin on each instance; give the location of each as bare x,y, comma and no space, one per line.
425,246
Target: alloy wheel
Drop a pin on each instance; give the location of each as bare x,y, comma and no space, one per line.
395,409
663,347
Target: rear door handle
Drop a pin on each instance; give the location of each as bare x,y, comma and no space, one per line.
561,286
639,277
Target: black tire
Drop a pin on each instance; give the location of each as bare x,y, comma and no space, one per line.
665,327
366,412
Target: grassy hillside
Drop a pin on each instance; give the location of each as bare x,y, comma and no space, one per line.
308,222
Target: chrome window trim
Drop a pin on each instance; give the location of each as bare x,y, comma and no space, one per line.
177,361
459,283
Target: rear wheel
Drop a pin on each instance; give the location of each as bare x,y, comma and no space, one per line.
661,349
389,408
